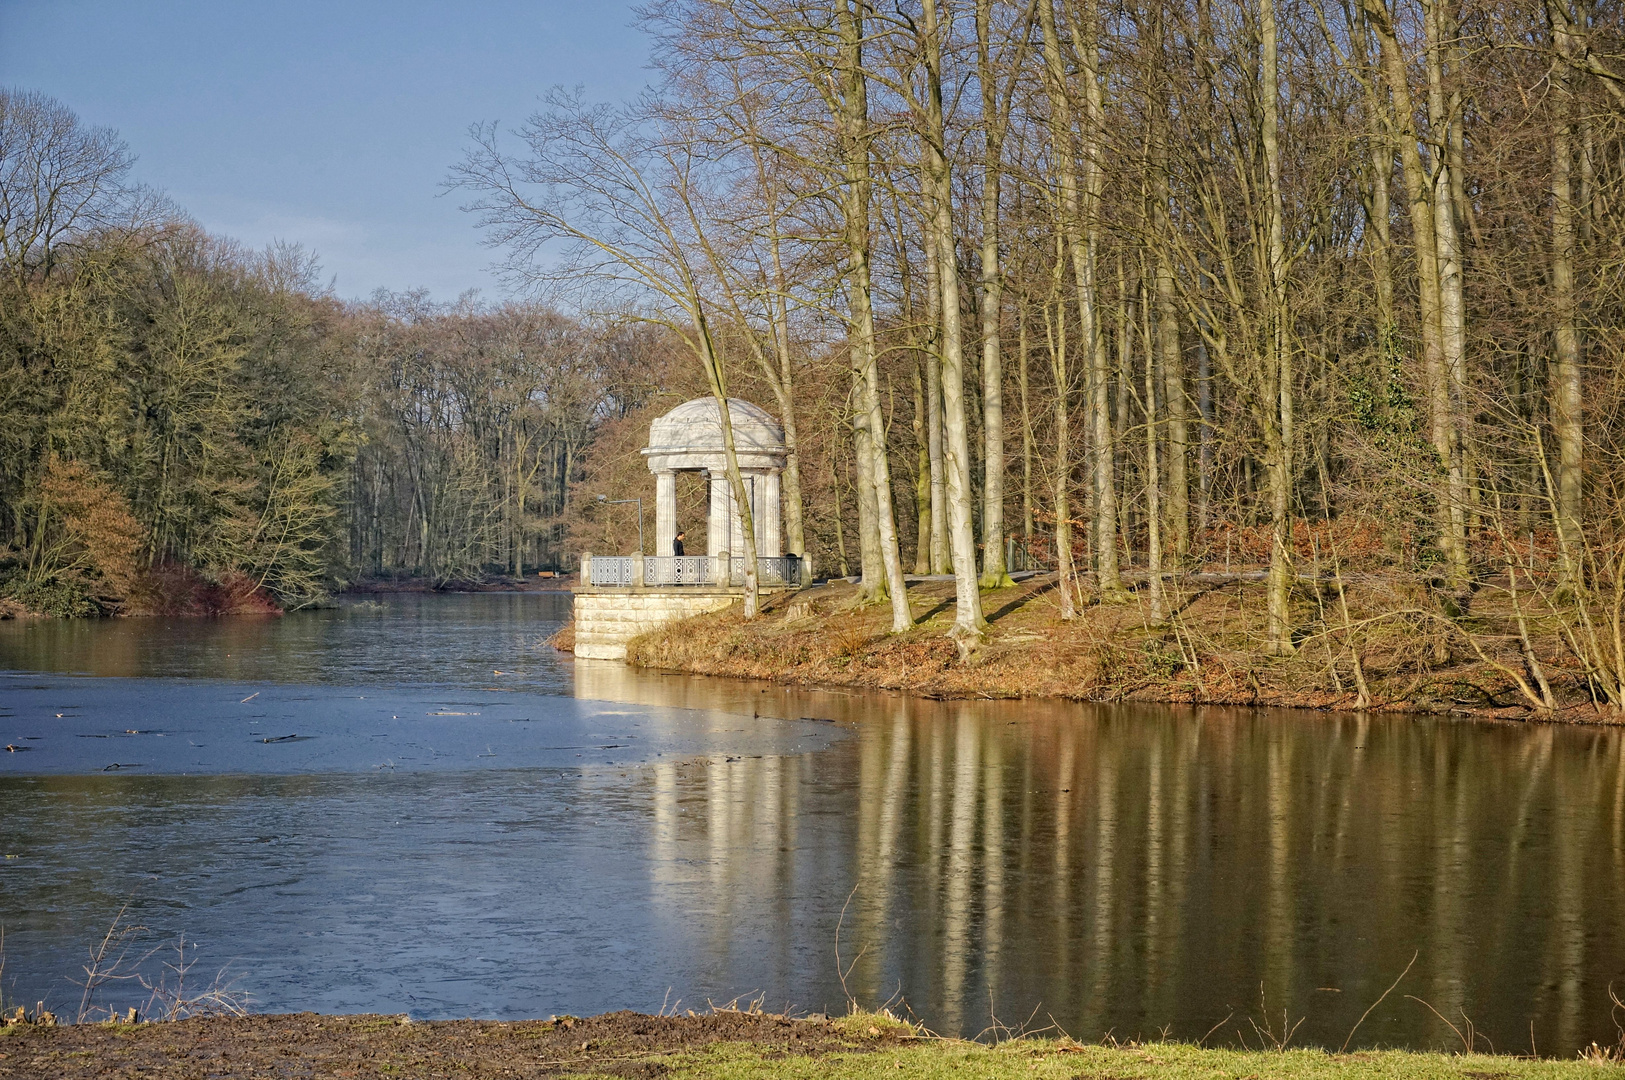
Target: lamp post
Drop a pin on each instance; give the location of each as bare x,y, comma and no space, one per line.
607,501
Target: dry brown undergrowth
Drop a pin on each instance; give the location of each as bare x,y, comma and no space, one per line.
1411,658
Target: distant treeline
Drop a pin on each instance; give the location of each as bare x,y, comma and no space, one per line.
186,425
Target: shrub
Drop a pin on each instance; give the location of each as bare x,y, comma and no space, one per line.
61,597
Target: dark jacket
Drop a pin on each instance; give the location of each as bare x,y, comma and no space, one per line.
676,547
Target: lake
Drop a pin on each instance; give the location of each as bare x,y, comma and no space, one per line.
417,806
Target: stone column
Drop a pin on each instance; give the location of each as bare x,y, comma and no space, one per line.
768,526
736,517
665,510
718,526
736,528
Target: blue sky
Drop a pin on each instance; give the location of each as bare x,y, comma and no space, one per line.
332,123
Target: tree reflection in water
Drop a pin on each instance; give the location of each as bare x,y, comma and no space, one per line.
1129,867
1118,869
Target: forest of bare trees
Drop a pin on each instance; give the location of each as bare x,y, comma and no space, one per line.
1135,289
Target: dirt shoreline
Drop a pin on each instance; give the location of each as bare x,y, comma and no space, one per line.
623,1044
1206,653
719,1045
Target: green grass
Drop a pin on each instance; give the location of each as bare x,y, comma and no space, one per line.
1033,1059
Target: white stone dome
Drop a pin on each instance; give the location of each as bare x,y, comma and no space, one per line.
695,426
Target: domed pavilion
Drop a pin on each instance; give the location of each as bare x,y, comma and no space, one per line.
621,596
689,439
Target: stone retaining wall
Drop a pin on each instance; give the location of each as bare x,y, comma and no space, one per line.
607,620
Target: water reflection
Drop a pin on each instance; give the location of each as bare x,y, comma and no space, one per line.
1115,869
463,638
1129,868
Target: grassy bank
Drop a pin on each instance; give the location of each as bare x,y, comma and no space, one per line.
1384,634
723,1045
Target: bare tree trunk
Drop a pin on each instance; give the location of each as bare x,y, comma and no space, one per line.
1026,426
1081,230
1566,398
922,476
1168,345
1278,432
1379,234
1588,179
994,573
736,480
1153,478
1094,178
1452,302
795,529
969,625
1204,442
921,424
1178,404
835,457
1056,334
871,572
1420,211
855,194
1126,393
933,399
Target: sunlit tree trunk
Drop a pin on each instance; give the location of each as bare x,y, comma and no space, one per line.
1439,344
871,568
1055,331
1169,351
1447,217
1566,395
922,475
933,426
1153,480
795,529
717,378
1278,432
855,197
1126,393
1026,425
1379,233
994,572
1080,228
969,624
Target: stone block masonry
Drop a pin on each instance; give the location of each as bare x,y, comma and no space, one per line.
606,620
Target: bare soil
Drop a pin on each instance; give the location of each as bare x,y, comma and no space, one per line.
623,1044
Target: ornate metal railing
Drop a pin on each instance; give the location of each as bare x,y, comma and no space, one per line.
660,571
770,570
611,570
677,569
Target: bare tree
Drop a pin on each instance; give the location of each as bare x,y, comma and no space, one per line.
626,203
59,179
